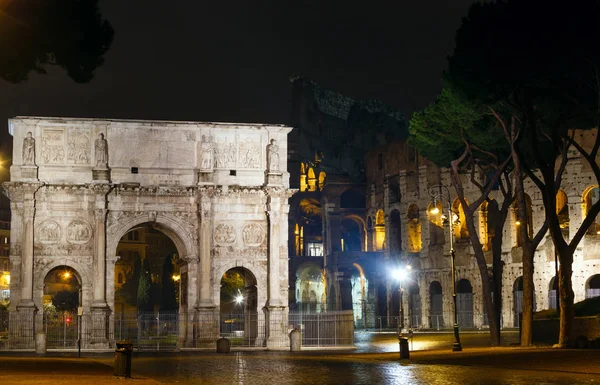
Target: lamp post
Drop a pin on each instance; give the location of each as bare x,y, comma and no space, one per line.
401,274
437,193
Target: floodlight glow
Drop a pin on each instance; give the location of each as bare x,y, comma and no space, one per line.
239,299
400,274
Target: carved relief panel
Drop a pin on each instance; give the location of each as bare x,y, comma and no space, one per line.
224,234
78,147
78,232
253,234
53,146
235,151
48,232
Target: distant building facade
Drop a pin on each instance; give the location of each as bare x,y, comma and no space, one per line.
399,222
331,265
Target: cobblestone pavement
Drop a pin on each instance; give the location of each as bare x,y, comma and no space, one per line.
480,366
375,361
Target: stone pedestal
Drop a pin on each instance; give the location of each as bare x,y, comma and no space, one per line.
29,172
277,327
205,178
98,335
100,174
274,179
206,327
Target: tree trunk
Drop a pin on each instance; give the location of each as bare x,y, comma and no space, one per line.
567,297
485,282
528,288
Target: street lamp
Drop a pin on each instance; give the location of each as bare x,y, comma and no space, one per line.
437,193
401,274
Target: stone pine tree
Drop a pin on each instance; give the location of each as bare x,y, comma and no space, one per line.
168,296
36,35
475,152
144,292
540,61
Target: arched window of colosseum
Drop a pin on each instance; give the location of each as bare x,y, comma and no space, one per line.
379,230
414,229
436,306
297,239
562,210
592,286
490,216
436,223
414,305
351,235
518,218
591,196
552,293
395,233
464,303
460,221
312,180
517,300
322,177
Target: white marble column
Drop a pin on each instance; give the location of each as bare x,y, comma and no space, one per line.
273,257
27,256
100,259
204,245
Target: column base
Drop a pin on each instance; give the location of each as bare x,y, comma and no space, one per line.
277,325
97,327
205,331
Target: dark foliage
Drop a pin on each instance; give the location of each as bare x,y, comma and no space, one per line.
35,34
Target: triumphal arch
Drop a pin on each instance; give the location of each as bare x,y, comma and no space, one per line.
219,191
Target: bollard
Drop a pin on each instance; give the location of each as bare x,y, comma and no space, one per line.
123,359
404,352
223,345
295,340
40,343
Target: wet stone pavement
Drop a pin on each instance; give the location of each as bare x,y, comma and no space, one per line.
375,361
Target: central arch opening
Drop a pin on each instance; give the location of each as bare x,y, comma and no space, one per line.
148,293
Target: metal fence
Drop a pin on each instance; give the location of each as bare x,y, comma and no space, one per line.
324,329
171,331
148,331
16,331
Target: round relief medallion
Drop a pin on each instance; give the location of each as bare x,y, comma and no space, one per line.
253,234
224,234
48,232
79,232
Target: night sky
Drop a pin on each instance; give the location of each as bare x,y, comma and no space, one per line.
231,60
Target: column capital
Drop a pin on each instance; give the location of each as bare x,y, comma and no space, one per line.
100,214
